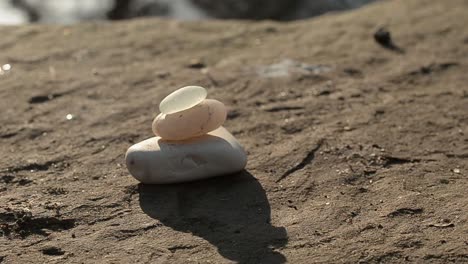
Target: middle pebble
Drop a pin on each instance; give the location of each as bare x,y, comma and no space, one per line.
196,121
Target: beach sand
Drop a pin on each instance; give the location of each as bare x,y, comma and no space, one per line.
357,152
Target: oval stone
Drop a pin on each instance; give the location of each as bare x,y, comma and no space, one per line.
194,122
157,161
182,99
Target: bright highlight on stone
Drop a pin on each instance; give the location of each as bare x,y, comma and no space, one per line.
6,67
182,99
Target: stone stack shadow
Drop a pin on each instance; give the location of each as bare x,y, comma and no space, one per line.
231,212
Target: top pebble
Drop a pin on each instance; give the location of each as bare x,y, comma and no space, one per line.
182,99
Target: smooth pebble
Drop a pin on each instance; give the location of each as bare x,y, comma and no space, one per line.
157,161
193,122
182,99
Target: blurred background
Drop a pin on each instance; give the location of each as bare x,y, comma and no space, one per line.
73,11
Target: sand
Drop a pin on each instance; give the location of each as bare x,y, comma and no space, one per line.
357,152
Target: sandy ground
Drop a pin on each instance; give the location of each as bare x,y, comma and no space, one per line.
357,153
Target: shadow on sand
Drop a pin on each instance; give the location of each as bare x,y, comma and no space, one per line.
232,213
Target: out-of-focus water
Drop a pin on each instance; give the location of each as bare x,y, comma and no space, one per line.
72,11
10,15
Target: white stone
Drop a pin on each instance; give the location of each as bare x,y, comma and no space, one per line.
157,161
182,99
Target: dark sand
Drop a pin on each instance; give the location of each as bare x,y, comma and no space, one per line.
357,153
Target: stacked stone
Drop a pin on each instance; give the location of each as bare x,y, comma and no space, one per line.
190,142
